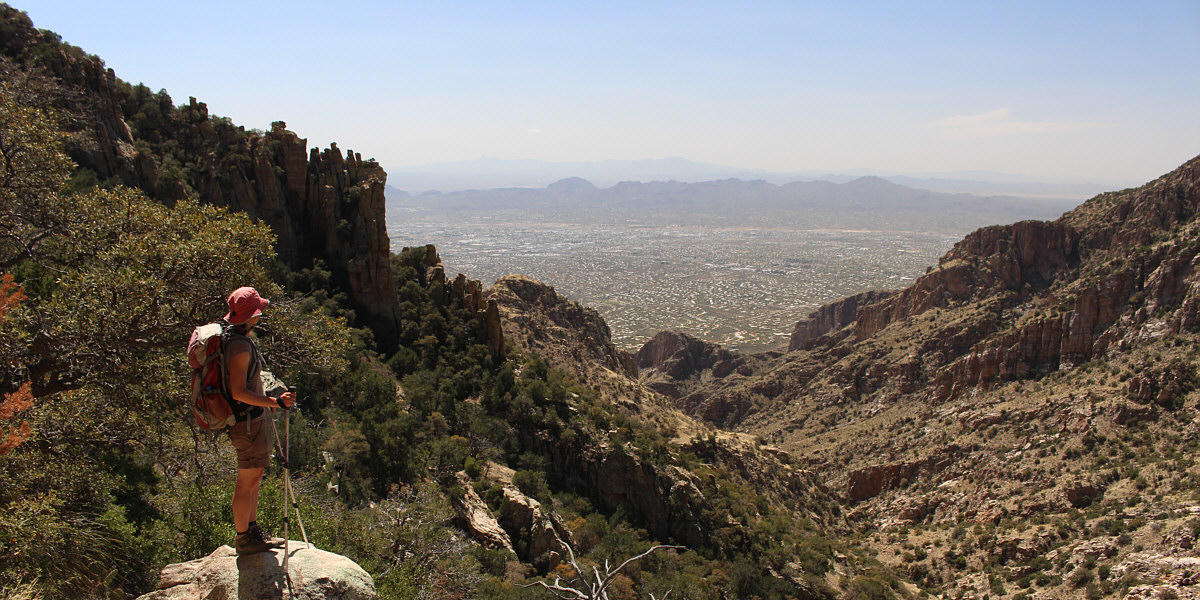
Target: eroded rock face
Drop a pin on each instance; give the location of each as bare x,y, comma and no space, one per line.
871,481
563,332
831,318
540,533
1020,258
223,575
669,360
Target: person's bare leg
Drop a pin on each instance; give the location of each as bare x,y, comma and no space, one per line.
245,498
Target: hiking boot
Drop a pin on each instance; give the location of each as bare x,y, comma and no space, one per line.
250,542
271,542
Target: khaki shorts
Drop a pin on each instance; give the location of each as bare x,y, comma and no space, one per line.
253,446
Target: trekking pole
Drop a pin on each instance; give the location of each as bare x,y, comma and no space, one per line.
283,448
287,481
281,454
287,488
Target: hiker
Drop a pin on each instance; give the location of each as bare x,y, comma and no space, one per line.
250,435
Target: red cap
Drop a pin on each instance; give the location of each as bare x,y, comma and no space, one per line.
244,303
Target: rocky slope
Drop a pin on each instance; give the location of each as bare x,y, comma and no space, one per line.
563,332
1022,412
619,475
1017,423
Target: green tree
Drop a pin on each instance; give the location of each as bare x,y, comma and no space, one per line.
113,283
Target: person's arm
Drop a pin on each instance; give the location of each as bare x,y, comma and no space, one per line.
239,365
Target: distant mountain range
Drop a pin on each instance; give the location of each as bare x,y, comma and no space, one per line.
490,173
862,203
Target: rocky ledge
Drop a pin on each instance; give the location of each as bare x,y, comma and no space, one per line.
223,575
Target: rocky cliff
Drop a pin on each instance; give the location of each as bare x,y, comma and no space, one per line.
564,333
324,205
671,359
831,318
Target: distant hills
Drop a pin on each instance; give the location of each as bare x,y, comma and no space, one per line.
865,202
490,173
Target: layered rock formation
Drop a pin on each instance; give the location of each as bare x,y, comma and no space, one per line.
312,574
831,318
1004,261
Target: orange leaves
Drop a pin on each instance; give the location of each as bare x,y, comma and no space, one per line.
21,400
10,294
14,403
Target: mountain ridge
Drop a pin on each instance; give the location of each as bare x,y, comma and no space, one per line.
325,205
488,173
865,202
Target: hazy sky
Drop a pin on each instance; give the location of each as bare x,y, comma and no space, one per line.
1096,91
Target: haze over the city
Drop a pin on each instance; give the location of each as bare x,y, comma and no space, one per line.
1060,92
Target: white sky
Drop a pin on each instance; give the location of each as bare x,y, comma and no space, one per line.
1057,91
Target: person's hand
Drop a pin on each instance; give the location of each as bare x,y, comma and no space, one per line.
287,400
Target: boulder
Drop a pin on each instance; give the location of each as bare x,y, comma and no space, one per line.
477,519
223,575
541,533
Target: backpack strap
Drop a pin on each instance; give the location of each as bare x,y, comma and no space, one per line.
241,410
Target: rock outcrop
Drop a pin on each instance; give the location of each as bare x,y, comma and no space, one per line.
520,525
223,575
474,517
831,318
563,332
324,205
467,293
871,481
540,533
672,360
1020,258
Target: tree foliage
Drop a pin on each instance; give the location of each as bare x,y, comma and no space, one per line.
111,283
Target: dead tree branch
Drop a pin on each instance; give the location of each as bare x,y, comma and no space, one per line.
581,588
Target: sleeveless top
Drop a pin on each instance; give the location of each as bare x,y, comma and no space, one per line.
239,343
